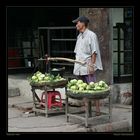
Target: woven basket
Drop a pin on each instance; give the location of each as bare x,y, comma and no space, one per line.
55,84
94,95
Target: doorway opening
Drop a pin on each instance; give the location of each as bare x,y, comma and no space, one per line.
23,38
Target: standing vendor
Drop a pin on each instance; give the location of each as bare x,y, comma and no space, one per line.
87,49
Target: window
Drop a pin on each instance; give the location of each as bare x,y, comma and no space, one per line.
122,48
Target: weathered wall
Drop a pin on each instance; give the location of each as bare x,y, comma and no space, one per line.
100,23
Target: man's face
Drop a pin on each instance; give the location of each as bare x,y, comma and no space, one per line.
80,25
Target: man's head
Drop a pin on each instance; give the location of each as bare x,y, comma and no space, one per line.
81,23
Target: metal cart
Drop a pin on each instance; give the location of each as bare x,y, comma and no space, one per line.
36,100
87,98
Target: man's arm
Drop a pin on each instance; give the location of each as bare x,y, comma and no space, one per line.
93,58
92,63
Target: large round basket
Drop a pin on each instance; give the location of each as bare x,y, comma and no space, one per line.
94,95
55,84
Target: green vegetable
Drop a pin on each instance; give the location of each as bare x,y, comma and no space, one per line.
74,81
39,77
34,77
81,89
42,75
73,88
79,82
88,87
78,86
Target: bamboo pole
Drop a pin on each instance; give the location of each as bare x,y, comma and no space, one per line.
66,59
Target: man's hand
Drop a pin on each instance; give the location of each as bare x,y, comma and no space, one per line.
90,67
91,70
91,64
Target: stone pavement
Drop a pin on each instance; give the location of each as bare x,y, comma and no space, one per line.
22,119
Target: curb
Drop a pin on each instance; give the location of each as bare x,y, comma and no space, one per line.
23,106
119,126
12,92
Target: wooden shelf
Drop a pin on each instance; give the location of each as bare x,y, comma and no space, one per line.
122,63
12,58
63,39
124,51
63,52
11,68
125,75
117,39
57,28
22,48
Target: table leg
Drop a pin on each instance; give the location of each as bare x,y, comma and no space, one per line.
37,97
67,109
86,112
110,109
46,103
33,93
90,109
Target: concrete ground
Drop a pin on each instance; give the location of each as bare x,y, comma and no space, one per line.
22,119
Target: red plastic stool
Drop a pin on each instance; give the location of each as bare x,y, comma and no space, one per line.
52,99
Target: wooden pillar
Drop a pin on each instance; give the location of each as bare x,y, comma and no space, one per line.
100,23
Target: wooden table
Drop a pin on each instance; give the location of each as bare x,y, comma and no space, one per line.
36,100
87,98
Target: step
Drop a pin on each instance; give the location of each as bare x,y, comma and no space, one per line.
118,126
12,92
20,102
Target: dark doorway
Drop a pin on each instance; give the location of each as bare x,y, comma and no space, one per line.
22,24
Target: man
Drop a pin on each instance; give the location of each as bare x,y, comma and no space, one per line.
87,49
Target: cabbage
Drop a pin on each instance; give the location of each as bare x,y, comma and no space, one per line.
73,88
34,77
79,82
74,81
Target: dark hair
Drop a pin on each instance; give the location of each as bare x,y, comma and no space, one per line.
86,24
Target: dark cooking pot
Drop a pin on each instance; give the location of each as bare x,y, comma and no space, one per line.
56,71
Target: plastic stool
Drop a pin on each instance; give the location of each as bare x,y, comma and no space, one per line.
52,99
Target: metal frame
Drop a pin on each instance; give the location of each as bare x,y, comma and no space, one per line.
36,100
119,77
58,28
88,111
49,29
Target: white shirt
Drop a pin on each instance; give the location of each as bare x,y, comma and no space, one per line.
86,45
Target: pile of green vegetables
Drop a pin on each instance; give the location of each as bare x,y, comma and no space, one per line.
78,86
40,78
